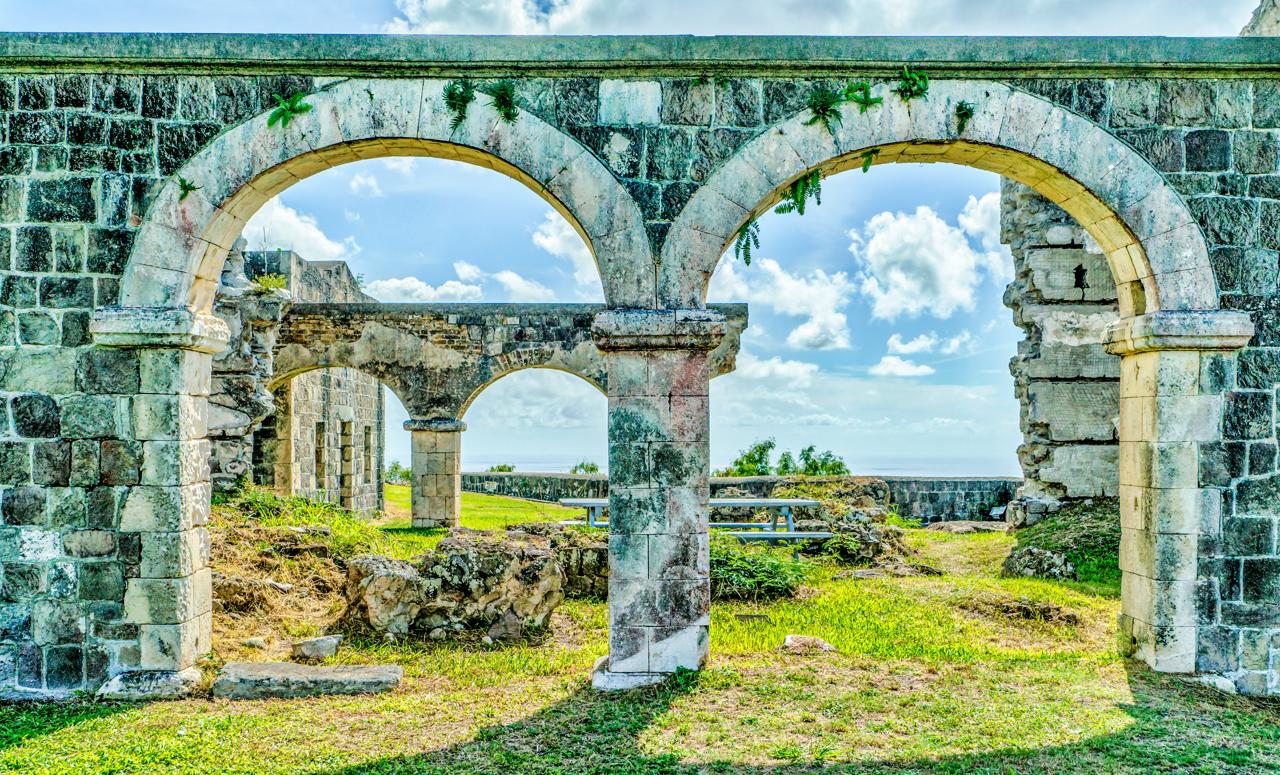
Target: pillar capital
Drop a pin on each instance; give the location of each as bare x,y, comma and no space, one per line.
435,424
159,327
1180,330
658,329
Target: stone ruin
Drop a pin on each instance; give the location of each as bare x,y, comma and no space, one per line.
130,166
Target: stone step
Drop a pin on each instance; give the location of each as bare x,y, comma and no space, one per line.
265,680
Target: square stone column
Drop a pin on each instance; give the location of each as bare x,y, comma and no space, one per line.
659,588
167,599
1174,369
436,489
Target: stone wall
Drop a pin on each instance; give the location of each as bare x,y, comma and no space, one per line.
924,498
104,444
1063,297
326,437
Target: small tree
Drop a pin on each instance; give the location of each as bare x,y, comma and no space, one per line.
825,464
398,474
753,461
585,467
501,468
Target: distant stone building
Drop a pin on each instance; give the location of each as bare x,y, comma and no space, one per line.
325,437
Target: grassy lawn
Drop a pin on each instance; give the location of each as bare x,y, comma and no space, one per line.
930,677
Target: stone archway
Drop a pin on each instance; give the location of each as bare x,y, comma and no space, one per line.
178,253
1172,338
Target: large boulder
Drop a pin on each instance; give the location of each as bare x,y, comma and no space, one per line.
474,581
583,556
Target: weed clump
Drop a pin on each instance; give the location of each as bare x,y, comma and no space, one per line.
753,574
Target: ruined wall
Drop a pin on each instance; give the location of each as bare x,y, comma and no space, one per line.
102,450
1063,297
326,437
925,498
239,400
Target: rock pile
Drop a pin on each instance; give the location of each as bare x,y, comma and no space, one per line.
583,556
474,581
1031,561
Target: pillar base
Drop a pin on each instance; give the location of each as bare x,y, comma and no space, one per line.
605,680
151,685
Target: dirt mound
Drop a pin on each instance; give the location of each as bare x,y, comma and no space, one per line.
235,595
996,606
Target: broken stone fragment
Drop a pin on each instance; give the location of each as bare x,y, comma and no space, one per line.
265,680
804,645
316,649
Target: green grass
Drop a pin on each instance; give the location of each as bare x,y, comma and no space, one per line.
921,684
1088,534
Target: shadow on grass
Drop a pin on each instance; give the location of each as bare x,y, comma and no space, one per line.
1176,727
22,720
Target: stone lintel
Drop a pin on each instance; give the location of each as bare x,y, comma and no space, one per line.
1180,330
435,424
658,329
160,327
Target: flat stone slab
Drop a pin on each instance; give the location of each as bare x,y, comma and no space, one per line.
266,680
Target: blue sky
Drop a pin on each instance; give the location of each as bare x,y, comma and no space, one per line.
877,327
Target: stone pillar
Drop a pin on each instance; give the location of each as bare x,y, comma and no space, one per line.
167,597
659,589
436,491
1174,368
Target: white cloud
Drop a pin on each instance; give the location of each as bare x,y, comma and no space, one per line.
893,366
467,272
819,296
277,226
980,219
952,346
411,289
921,344
405,165
916,263
364,184
520,288
793,373
539,398
558,238
829,17
351,215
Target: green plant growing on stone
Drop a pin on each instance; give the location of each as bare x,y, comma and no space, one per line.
504,100
458,96
186,187
287,109
824,106
267,283
964,114
860,94
804,188
912,85
585,467
748,239
868,158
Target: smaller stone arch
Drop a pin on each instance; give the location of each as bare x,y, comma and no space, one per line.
179,250
1153,243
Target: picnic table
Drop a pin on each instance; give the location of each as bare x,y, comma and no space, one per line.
780,507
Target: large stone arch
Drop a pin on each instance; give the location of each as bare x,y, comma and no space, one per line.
178,253
1153,243
1171,335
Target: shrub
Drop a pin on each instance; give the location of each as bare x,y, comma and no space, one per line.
739,572
501,468
266,283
